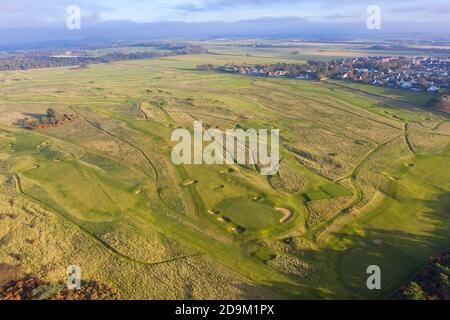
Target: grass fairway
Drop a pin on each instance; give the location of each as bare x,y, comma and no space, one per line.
364,173
326,192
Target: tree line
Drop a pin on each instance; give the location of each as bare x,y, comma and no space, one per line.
34,60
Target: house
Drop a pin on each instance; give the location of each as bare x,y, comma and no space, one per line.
433,89
407,85
303,76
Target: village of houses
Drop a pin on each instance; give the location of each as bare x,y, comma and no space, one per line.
424,74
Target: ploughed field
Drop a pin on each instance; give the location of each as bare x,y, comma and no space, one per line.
364,179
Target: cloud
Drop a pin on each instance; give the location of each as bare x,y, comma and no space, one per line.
32,13
190,7
207,5
211,5
439,9
340,16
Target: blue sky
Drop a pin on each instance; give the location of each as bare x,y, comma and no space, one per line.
36,13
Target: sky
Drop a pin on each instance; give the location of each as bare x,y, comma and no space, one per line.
404,15
316,10
39,13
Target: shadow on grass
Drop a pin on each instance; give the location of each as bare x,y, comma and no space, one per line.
400,254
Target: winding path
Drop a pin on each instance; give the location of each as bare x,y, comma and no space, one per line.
99,241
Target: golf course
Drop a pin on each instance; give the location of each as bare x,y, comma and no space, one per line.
364,180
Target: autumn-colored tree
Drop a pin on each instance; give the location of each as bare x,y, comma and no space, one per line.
414,292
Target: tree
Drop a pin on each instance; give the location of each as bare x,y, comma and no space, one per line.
444,286
51,114
414,292
423,83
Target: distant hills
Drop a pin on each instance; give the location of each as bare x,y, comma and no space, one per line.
289,27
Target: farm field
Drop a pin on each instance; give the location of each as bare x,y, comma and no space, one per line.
364,175
296,51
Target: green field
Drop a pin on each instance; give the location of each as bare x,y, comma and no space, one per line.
364,171
296,51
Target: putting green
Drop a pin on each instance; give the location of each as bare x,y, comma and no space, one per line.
250,214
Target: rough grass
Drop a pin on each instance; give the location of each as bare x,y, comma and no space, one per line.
321,210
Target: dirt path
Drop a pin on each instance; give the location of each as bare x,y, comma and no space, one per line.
407,140
142,111
374,95
155,171
358,194
362,113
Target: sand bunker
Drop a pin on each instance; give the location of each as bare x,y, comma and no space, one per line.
287,214
189,183
224,219
42,145
378,242
238,230
213,212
